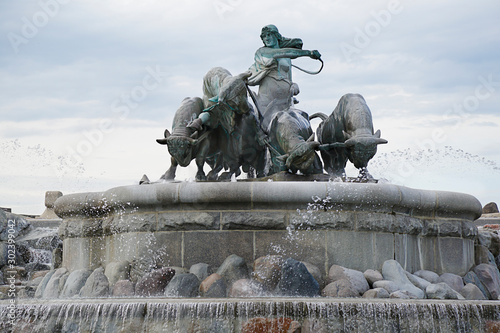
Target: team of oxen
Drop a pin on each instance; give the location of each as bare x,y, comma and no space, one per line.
234,139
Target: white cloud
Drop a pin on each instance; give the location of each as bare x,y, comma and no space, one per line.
65,80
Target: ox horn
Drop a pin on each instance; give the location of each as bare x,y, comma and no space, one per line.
350,143
379,140
162,141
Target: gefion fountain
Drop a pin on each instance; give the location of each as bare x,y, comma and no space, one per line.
287,208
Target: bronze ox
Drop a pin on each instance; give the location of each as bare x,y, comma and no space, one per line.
292,143
185,144
234,121
347,134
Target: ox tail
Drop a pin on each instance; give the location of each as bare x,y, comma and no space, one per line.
318,115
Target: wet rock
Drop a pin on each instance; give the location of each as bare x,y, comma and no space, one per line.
442,290
32,285
340,288
33,267
201,270
62,281
376,293
246,288
233,268
41,287
372,276
39,273
454,281
356,278
401,294
490,208
483,256
123,288
488,275
472,292
154,283
213,286
179,270
97,285
116,271
278,325
183,285
430,276
417,281
267,270
18,272
52,289
296,280
484,238
3,253
390,286
75,282
392,271
471,277
495,244
18,225
315,272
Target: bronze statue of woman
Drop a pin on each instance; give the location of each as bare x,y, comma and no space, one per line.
272,71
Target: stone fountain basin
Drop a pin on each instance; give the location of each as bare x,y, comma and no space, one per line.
354,225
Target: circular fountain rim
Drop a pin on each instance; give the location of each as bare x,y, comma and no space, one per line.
255,195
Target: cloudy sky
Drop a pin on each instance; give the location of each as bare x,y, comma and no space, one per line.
87,86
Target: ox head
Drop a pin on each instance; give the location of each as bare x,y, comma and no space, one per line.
234,93
302,156
361,149
181,148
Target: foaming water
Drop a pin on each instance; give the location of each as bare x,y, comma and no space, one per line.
246,315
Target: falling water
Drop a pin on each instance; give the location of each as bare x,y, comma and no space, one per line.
240,315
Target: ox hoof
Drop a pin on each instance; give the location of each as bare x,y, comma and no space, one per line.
200,177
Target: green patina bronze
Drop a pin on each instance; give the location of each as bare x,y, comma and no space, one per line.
242,134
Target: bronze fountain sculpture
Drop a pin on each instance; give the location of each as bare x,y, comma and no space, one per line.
225,131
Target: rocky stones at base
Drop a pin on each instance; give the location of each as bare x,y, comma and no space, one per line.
392,271
183,285
454,281
340,288
123,288
427,275
441,290
272,276
471,292
75,282
97,285
356,278
296,280
372,276
154,283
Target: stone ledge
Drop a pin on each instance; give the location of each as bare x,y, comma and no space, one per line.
266,220
386,198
